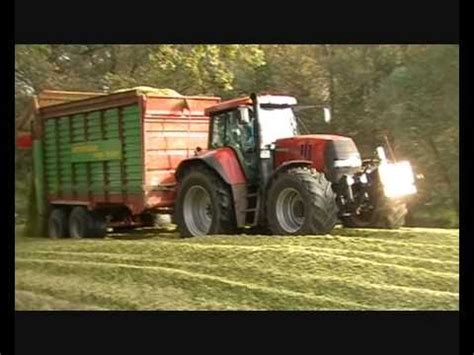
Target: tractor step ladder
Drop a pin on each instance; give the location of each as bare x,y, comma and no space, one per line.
253,205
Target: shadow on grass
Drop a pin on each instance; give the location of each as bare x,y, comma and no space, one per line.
404,233
144,233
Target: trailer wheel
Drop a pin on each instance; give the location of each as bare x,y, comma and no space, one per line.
387,214
58,223
204,205
300,202
85,224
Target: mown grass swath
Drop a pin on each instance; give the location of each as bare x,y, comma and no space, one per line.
348,270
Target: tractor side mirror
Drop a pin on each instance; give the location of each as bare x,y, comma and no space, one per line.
197,151
244,115
327,115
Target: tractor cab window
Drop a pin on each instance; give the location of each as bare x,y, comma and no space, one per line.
235,129
240,133
276,122
230,129
218,130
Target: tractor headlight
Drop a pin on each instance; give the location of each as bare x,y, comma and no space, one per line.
352,162
363,179
397,179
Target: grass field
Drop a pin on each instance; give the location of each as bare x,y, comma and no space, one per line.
409,269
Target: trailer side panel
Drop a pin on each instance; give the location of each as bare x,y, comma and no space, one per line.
95,157
173,128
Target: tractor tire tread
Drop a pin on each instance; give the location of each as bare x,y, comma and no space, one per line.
324,209
226,222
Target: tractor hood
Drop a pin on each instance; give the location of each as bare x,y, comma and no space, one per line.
335,155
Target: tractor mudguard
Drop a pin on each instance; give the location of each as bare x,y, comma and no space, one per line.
291,164
222,160
285,166
225,163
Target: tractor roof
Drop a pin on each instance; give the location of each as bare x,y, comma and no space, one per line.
266,98
229,104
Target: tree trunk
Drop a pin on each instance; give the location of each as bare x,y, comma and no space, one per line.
444,174
328,52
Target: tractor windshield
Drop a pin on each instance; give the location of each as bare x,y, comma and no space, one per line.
276,122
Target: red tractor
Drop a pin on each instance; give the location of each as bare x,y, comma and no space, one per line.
259,172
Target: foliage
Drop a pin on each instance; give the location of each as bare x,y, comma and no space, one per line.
419,103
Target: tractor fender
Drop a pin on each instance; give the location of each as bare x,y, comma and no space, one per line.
285,166
224,162
288,165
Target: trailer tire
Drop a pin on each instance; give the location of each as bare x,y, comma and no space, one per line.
300,201
202,193
58,226
86,224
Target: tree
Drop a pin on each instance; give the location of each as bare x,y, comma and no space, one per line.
409,92
419,102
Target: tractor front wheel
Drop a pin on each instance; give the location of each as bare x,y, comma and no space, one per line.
204,205
300,202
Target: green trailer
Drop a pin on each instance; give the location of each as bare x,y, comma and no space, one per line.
104,161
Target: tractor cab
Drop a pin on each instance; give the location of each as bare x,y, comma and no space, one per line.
263,132
250,126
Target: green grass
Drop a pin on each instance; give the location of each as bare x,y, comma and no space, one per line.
409,269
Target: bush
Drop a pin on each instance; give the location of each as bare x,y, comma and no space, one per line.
433,216
22,185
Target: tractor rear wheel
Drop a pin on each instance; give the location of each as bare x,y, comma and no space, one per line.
301,201
204,205
58,223
386,214
84,224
